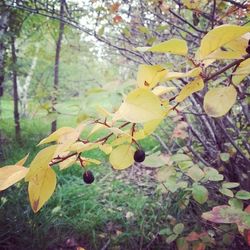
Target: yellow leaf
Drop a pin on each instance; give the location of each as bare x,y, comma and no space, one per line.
235,49
41,187
218,101
139,135
66,140
191,4
68,162
55,136
41,161
149,75
22,161
150,127
219,36
106,148
117,131
190,88
226,55
160,90
96,128
191,73
173,46
10,175
121,139
122,157
241,72
89,160
80,147
140,106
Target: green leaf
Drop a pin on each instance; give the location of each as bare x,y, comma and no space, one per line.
226,192
165,231
200,193
243,195
224,156
180,157
235,203
171,238
178,228
230,184
154,160
212,174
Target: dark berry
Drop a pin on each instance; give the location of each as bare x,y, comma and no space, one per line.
248,49
88,177
249,42
139,155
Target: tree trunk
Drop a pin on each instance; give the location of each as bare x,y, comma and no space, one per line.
57,61
4,17
15,91
23,89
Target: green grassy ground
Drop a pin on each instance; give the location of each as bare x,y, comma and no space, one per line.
111,211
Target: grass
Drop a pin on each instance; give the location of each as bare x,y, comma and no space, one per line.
111,210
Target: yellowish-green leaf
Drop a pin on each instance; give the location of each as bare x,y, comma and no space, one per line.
218,101
219,36
191,73
106,148
241,72
161,90
164,173
22,161
121,139
10,175
55,136
191,4
122,157
41,187
139,135
41,161
195,173
144,30
173,46
141,106
90,160
149,75
190,88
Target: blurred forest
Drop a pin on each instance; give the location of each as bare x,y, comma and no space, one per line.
62,63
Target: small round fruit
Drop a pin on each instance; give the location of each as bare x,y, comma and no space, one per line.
248,49
88,177
139,155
